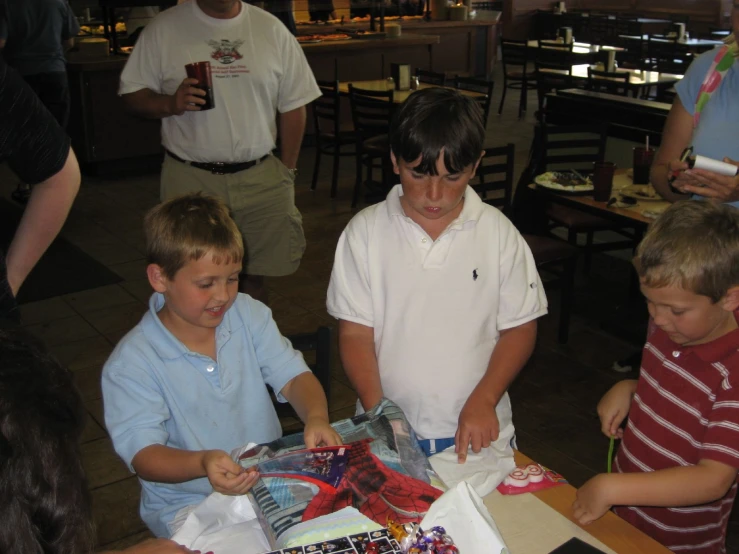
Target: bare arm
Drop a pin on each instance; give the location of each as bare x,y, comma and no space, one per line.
307,397
679,486
357,351
68,44
478,423
152,105
292,128
45,214
165,464
675,138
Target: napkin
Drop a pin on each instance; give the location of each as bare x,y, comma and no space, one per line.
461,512
484,471
223,524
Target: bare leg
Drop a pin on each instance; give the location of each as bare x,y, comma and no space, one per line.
253,285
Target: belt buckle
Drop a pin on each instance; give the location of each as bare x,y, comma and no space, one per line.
219,169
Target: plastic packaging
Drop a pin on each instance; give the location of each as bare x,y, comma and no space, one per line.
530,478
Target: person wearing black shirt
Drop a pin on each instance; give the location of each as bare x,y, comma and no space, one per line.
38,150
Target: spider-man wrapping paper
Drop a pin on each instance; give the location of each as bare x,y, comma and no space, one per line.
387,476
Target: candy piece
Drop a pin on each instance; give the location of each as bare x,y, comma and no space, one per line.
372,548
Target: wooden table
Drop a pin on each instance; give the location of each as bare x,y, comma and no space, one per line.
581,47
630,215
399,96
611,530
696,45
638,79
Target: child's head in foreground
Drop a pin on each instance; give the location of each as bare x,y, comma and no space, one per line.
45,503
436,141
688,266
194,251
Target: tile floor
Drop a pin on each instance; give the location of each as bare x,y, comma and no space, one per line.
554,398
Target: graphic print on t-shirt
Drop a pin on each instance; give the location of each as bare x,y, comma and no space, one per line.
226,52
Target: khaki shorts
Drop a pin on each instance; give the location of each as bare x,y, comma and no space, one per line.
262,202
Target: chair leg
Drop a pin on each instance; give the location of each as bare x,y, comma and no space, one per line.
588,252
335,170
316,166
572,237
566,290
522,100
502,99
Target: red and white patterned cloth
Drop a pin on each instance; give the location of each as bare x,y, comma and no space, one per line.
686,408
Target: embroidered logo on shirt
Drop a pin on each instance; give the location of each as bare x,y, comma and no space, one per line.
474,274
225,51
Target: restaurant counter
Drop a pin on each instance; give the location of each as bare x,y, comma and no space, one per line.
102,131
464,47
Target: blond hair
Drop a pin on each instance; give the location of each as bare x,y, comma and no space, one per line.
692,245
188,227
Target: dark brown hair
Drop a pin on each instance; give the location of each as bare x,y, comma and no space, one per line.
434,120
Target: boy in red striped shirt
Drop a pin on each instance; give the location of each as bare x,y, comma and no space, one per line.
676,469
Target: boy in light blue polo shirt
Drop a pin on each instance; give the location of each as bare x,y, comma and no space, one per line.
187,384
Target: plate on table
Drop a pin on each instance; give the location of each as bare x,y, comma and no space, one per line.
308,39
641,193
564,181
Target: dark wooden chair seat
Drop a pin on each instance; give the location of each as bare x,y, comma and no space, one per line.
577,220
316,347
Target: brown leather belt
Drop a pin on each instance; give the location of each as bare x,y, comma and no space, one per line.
219,168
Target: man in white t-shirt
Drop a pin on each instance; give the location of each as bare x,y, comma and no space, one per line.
258,70
436,292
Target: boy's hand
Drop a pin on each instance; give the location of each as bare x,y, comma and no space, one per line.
478,427
225,475
591,501
319,433
614,407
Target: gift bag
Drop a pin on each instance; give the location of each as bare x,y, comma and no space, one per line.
385,475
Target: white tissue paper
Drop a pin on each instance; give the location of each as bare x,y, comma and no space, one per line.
223,524
486,470
461,512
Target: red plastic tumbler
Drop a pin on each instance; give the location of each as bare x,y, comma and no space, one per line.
603,180
201,72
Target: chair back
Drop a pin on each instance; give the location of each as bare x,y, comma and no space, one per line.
431,77
495,173
612,82
483,86
371,111
326,109
316,348
551,77
515,55
571,146
667,55
555,52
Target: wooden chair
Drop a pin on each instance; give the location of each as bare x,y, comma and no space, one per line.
667,55
612,82
558,150
372,111
515,58
634,53
431,77
551,77
554,52
329,136
473,84
318,342
551,254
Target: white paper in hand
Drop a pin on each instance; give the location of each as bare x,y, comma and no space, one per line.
461,512
486,470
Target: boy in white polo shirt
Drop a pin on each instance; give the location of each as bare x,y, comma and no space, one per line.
436,292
